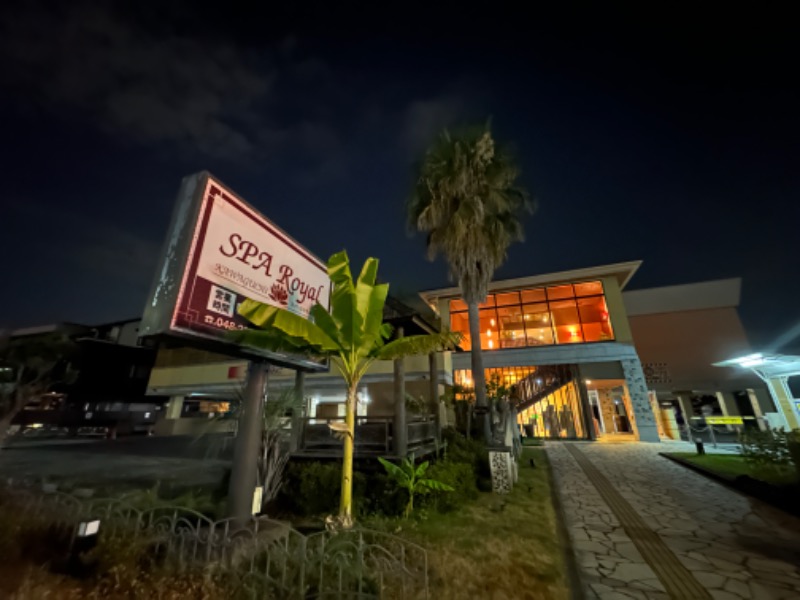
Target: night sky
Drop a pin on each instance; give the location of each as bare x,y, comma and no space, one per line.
671,137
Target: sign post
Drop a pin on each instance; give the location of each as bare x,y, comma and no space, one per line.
248,440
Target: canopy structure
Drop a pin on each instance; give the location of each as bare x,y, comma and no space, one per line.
775,370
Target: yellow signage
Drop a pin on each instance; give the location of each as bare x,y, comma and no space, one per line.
724,421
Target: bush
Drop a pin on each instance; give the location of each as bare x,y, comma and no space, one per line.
768,450
458,475
472,452
312,489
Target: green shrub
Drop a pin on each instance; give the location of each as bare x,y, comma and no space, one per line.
472,452
768,450
459,476
381,496
414,479
312,489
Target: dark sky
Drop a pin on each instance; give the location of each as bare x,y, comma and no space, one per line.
671,137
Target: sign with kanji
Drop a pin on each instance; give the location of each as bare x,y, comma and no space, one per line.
219,251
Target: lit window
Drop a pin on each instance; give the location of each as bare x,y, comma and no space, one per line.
594,317
560,292
590,288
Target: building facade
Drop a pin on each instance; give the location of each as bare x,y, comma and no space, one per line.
564,342
680,332
586,358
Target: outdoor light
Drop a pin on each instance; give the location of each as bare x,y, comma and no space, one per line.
752,362
589,381
88,528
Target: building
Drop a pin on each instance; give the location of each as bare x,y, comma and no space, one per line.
590,360
680,332
97,381
202,384
587,359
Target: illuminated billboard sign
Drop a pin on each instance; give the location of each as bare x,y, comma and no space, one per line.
219,251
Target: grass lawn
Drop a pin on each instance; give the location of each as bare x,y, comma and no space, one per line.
499,546
732,465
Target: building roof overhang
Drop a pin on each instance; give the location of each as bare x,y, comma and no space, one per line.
621,271
765,365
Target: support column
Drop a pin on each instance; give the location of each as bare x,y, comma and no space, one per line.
685,402
645,421
298,414
433,373
248,443
727,404
400,429
759,414
586,408
175,407
779,388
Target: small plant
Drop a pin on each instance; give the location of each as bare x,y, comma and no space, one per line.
411,478
767,450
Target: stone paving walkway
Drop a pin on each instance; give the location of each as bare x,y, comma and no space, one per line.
644,527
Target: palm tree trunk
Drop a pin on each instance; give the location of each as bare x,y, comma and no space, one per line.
478,376
346,502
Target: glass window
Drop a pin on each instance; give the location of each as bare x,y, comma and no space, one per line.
594,317
536,295
507,298
561,314
560,292
488,303
566,322
488,327
460,322
589,288
537,324
511,330
457,305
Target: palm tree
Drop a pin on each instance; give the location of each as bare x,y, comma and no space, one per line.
465,199
352,334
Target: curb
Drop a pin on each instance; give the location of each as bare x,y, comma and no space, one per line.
788,507
576,583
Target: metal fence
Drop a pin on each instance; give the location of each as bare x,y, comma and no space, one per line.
269,558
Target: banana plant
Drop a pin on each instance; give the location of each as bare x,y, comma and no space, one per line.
412,479
351,333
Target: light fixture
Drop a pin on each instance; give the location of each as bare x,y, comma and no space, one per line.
491,344
753,362
489,332
588,381
492,322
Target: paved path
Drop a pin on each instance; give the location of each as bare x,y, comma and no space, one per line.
645,527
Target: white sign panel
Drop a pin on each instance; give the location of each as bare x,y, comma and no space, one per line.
231,253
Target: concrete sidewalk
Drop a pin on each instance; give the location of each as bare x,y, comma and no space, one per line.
644,527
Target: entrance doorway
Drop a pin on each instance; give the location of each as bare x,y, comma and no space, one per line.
611,409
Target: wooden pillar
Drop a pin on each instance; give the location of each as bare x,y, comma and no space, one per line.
298,414
400,427
434,403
